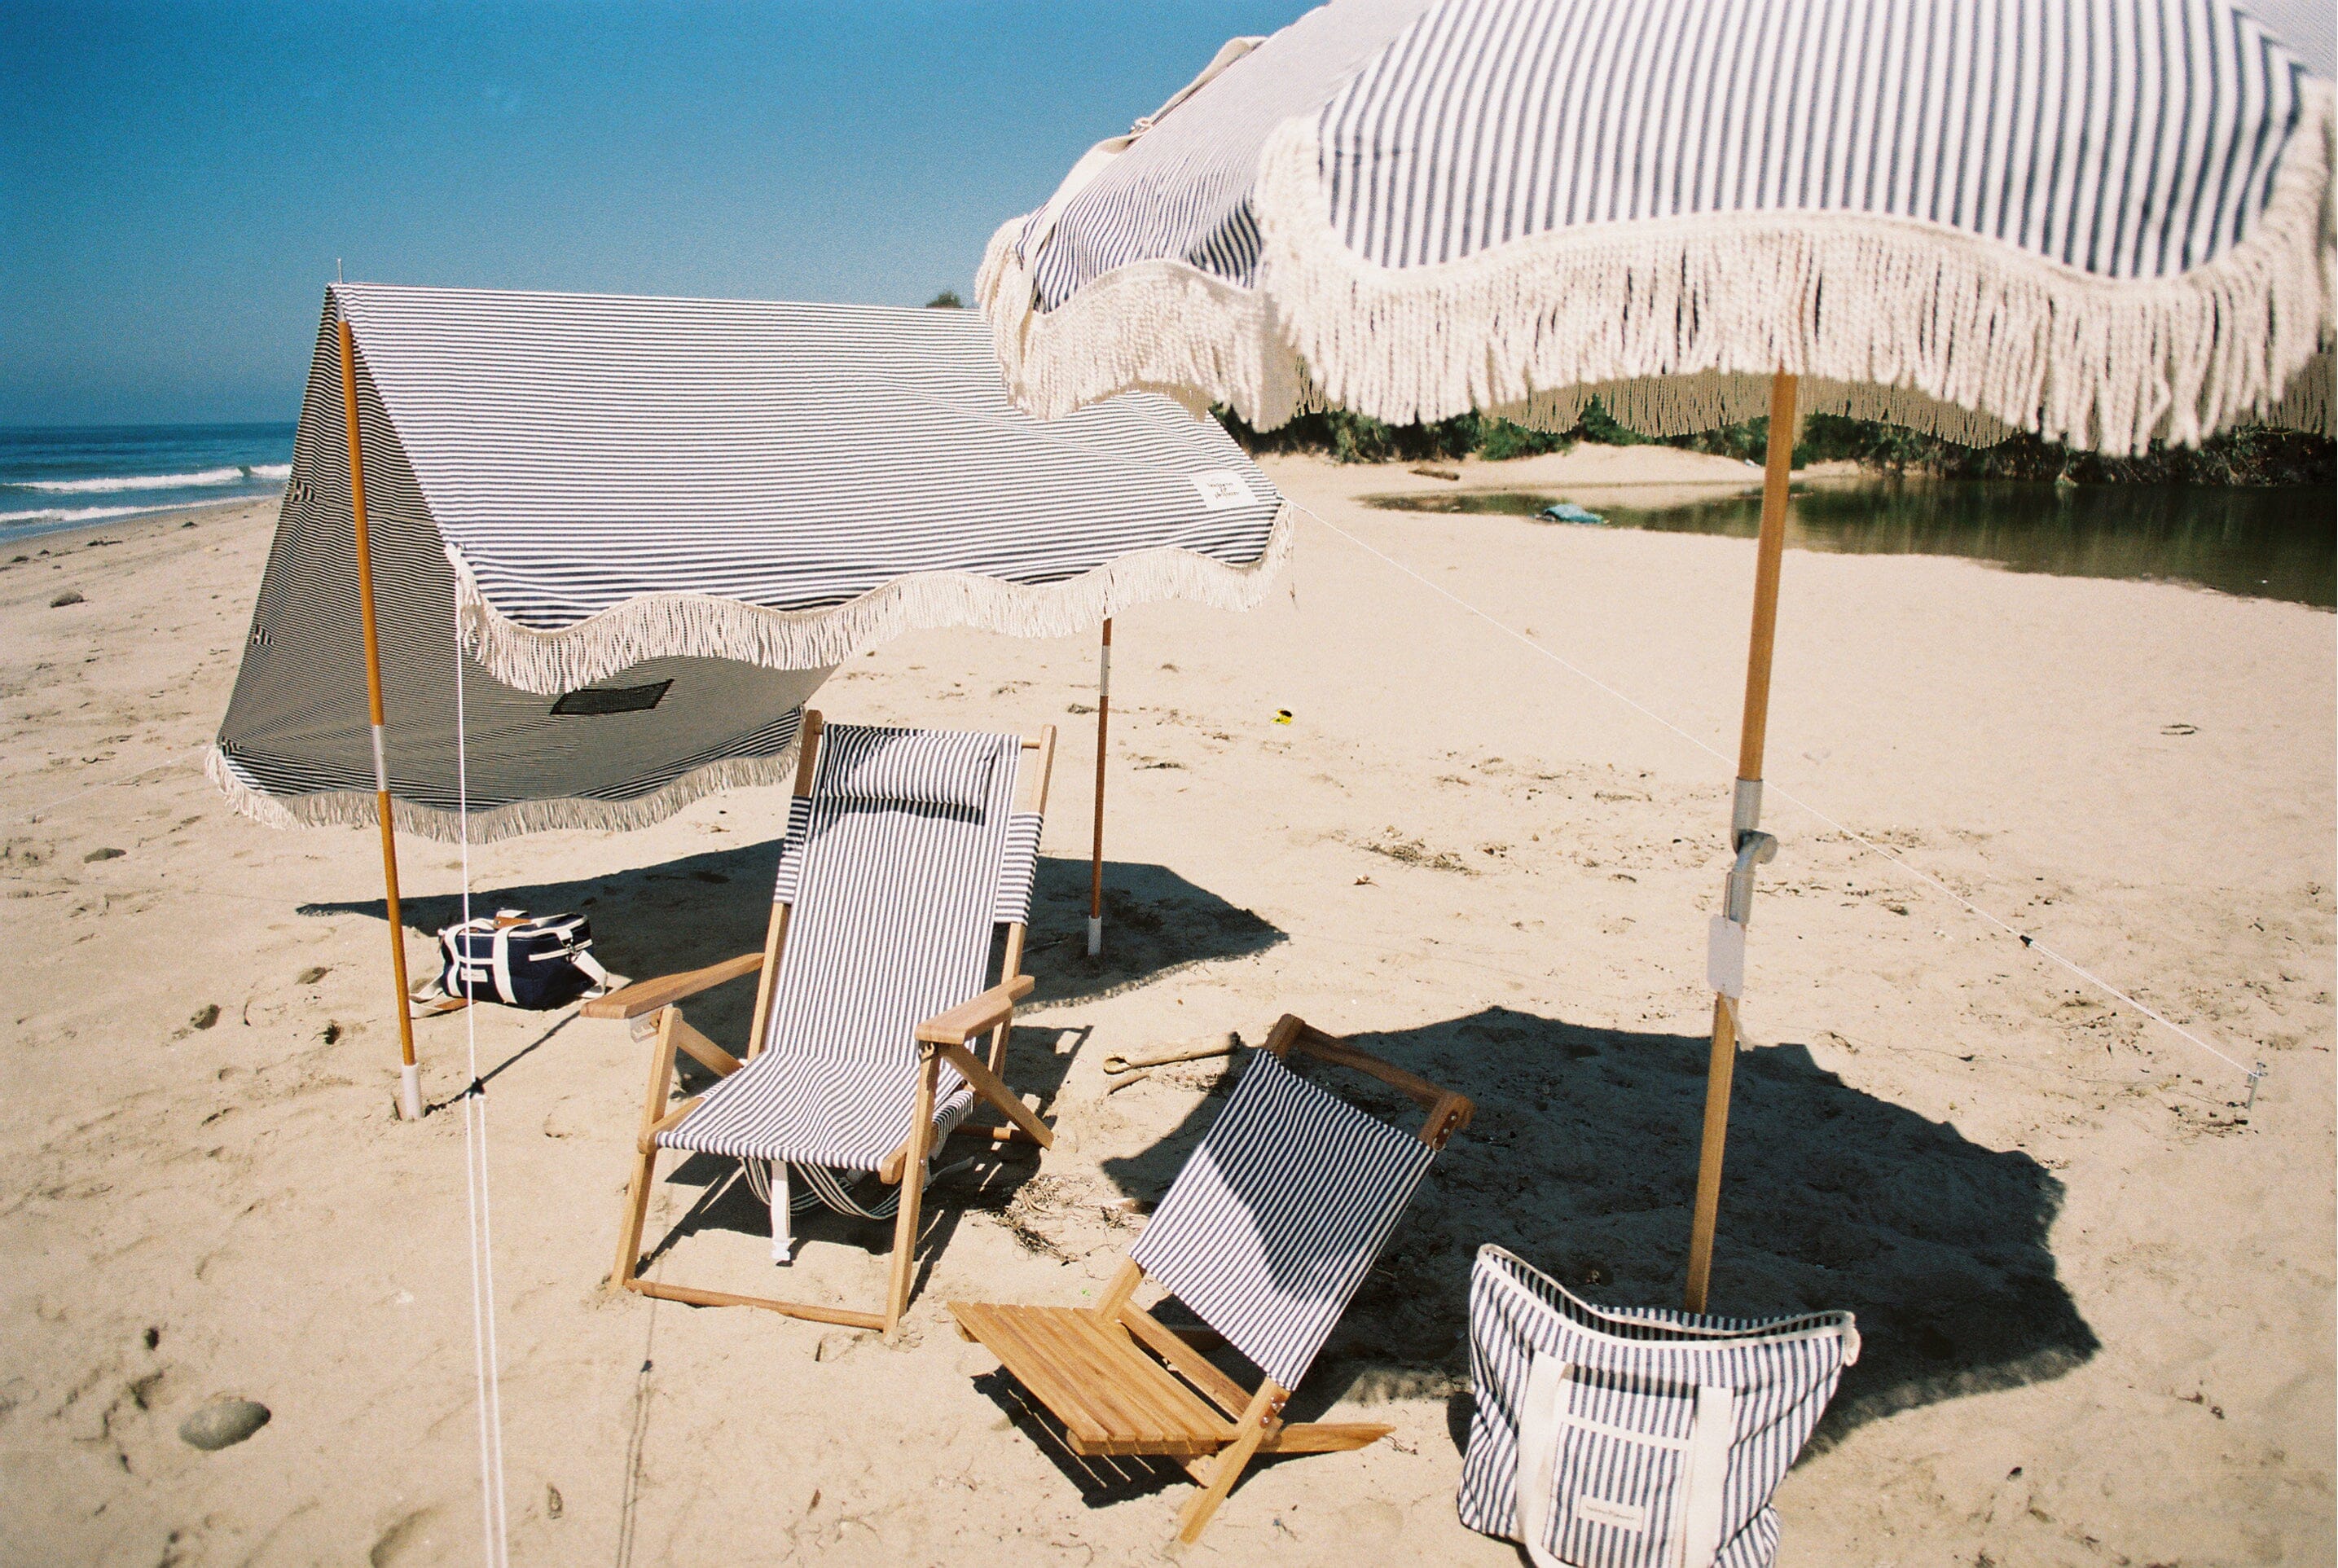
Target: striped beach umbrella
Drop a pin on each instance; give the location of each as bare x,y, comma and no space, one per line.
2104,221
569,561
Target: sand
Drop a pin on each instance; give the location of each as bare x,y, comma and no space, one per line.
2096,1303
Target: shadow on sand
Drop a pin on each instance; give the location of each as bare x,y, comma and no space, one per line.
1582,1159
684,914
971,1172
698,910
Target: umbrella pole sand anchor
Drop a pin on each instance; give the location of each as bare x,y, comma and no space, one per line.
1750,845
1096,854
409,1083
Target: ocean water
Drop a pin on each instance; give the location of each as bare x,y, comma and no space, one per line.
71,476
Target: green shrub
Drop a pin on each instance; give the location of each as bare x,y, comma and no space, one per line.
2251,455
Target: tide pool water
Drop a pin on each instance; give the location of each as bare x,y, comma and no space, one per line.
68,476
2262,543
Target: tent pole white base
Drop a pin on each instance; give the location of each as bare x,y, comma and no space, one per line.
409,1093
1095,935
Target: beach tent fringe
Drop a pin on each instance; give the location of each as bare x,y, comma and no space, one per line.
354,806
664,625
1888,318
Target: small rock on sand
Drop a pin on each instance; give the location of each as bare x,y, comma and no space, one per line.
96,855
205,1016
63,599
309,977
223,1423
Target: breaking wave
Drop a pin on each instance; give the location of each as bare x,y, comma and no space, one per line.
247,473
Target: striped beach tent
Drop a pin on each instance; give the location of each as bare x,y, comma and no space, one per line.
2107,222
658,525
574,561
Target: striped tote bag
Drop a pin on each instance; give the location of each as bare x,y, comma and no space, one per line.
1636,1438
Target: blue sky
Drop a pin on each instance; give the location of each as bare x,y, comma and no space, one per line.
177,180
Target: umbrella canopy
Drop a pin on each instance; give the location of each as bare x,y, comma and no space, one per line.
661,521
2102,220
2107,221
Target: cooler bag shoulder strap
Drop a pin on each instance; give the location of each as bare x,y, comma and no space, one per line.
582,956
573,950
499,966
463,959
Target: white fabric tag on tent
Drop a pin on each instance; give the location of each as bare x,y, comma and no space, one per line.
1724,958
1220,489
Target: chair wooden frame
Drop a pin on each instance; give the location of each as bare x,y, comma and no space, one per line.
941,1038
1089,1366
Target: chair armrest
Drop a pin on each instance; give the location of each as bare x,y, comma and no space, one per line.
984,1013
649,995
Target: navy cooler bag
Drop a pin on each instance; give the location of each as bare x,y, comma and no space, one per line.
1636,1438
537,964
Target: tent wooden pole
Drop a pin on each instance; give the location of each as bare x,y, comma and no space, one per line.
1096,853
409,1077
1745,822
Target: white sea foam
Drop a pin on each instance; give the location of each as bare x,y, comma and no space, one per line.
271,471
51,517
200,478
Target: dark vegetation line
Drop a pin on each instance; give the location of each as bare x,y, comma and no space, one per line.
2252,455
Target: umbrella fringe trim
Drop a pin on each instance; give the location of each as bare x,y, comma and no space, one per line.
687,625
1160,326
1952,317
1166,326
1674,325
356,808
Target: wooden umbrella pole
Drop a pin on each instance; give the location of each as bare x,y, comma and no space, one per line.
1747,841
1096,854
409,1077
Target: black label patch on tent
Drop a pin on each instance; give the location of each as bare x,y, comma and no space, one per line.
597,699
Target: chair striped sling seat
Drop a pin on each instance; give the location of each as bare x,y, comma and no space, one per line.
906,852
1265,1235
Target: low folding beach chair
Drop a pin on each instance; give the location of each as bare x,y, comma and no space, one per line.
1264,1235
905,851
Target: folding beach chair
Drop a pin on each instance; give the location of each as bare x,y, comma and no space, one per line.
1265,1235
906,850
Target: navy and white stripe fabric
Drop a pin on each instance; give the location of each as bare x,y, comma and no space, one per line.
1279,1213
896,888
295,745
1413,208
731,496
1018,862
2129,140
1636,1438
651,460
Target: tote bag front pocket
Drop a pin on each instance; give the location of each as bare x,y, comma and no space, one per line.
1620,1471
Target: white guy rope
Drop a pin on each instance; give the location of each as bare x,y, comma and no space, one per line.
43,809
1917,873
486,1359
